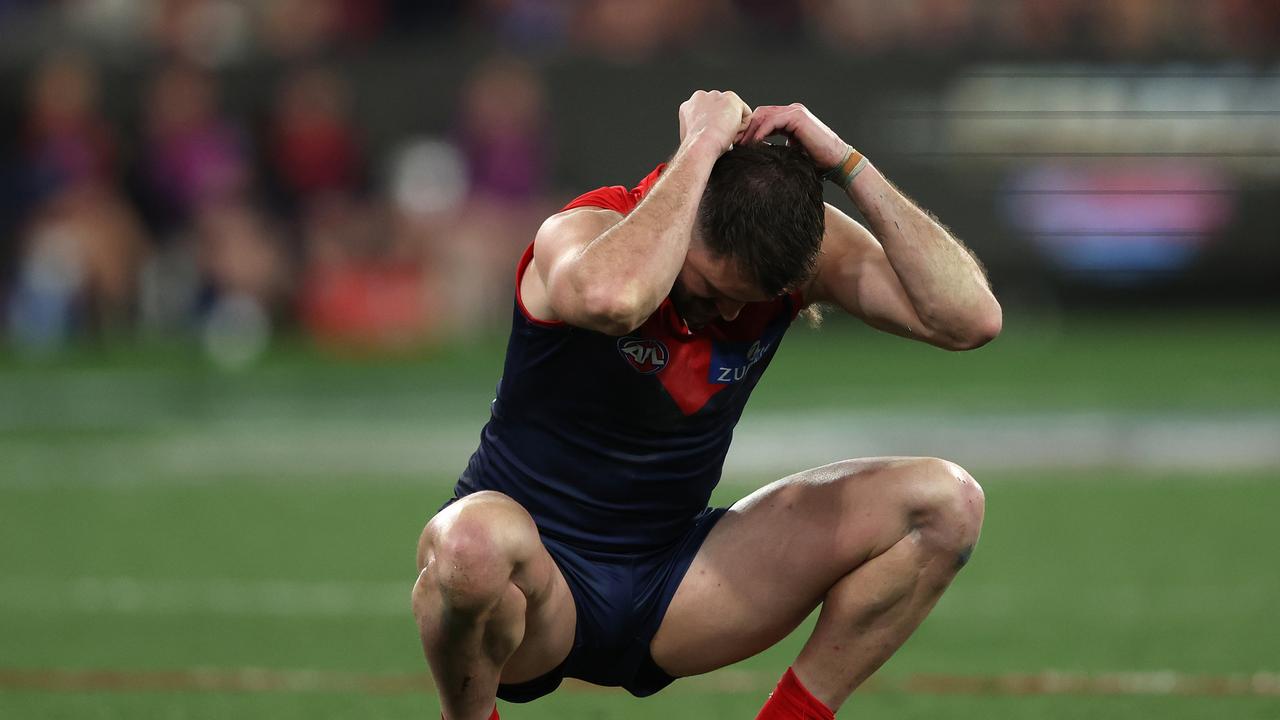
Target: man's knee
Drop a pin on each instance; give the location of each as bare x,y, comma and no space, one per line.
936,499
471,550
946,505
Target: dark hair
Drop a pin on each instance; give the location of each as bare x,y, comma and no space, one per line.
763,208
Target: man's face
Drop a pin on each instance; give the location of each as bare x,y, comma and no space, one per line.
711,287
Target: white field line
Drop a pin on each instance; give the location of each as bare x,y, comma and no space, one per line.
1014,441
1161,683
768,444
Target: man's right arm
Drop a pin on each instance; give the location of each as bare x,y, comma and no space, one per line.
602,271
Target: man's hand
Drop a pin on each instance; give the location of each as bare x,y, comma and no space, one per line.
819,141
607,271
721,117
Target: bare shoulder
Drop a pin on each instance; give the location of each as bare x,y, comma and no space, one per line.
572,229
561,237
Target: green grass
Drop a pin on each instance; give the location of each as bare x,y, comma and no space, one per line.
88,706
1131,362
1076,572
133,537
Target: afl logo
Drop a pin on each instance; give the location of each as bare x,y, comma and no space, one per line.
647,356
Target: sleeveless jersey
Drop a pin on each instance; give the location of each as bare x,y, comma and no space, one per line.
614,444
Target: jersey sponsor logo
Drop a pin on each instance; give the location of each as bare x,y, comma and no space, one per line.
730,362
646,355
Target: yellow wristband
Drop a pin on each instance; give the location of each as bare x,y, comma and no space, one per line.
844,173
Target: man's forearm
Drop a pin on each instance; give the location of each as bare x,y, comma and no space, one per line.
946,285
639,258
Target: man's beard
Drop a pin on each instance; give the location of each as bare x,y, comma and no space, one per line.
695,312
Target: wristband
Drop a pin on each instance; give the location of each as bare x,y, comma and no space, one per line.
848,168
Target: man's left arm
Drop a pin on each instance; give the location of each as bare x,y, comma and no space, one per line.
908,275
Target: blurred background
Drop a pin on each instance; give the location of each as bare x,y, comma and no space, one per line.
255,279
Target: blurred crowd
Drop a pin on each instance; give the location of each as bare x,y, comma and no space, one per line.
191,218
198,219
223,31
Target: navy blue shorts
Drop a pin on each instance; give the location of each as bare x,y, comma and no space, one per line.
621,600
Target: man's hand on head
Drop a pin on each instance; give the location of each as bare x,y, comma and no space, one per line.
720,117
794,120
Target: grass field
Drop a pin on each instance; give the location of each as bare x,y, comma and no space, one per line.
147,569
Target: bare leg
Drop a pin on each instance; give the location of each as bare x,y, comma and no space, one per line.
869,614
490,603
875,541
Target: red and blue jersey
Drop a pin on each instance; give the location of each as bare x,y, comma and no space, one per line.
614,444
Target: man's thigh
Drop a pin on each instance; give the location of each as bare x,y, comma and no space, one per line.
536,583
768,563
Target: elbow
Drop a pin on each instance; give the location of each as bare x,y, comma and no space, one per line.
611,310
979,330
980,335
588,303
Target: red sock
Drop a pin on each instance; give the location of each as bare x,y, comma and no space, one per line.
791,701
494,716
